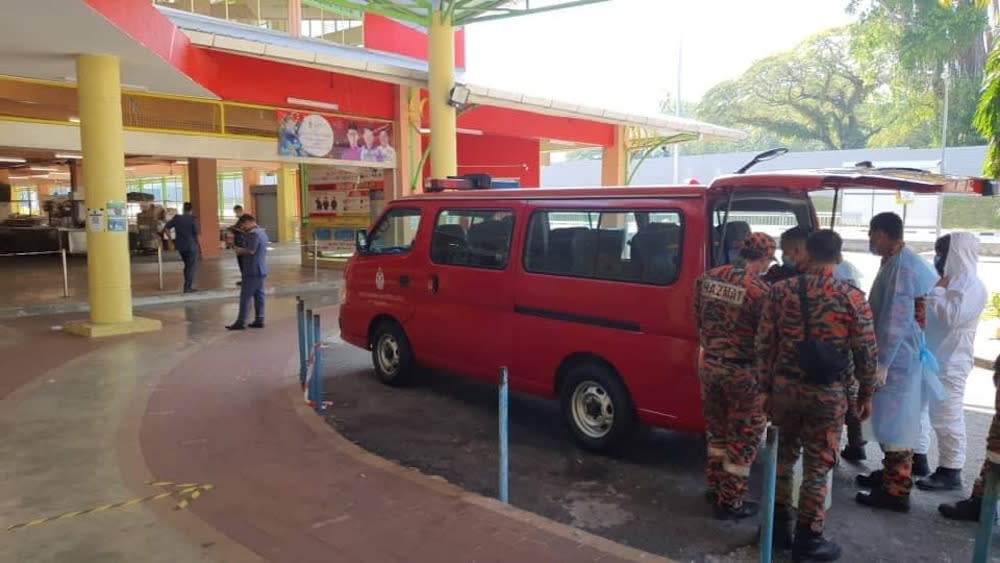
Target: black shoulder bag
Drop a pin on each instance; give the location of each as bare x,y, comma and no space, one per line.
822,362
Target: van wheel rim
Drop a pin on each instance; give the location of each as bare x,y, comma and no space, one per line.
388,354
592,408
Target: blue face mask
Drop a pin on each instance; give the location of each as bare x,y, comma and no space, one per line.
939,260
787,262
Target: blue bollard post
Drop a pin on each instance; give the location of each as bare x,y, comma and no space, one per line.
300,311
310,341
503,434
316,389
987,515
770,482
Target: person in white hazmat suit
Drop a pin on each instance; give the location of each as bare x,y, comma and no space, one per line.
953,310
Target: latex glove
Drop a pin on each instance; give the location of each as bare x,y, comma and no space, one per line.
881,375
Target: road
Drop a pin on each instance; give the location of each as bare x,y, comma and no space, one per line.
650,499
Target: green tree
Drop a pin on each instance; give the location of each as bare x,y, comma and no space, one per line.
987,119
916,43
815,95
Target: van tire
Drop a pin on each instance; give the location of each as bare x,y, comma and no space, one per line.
597,407
392,356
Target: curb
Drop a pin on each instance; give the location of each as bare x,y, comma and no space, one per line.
170,299
438,485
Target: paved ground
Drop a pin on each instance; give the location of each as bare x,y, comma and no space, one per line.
33,285
88,425
649,499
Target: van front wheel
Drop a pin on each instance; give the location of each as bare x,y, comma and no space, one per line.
597,407
391,354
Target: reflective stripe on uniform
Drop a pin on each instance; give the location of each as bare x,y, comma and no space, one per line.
716,451
742,471
993,457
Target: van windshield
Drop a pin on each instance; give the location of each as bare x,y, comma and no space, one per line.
733,219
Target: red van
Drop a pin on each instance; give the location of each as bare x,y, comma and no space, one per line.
585,295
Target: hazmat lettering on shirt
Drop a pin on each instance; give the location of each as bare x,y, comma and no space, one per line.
729,293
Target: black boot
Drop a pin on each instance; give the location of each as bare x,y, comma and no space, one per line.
871,481
745,510
854,452
812,546
967,509
920,466
878,498
782,538
943,479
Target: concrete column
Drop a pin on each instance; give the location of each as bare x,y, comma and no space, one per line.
251,177
204,179
186,184
295,17
441,77
402,130
108,264
75,173
613,160
288,201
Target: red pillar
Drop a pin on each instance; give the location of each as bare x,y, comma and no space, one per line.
204,179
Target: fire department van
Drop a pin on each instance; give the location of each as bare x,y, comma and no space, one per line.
585,295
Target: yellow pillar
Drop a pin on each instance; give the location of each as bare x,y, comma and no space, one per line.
613,160
108,264
441,77
288,197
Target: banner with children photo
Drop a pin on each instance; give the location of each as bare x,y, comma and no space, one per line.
323,136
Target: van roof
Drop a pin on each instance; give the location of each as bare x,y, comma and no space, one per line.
895,179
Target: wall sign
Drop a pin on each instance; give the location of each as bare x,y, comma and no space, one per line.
323,136
117,219
95,220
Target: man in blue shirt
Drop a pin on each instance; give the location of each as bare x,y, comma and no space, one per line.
254,254
186,232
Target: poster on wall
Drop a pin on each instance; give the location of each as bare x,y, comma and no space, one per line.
332,200
340,138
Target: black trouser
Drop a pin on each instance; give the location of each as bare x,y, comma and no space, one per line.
190,258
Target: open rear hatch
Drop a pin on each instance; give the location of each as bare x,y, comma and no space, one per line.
895,179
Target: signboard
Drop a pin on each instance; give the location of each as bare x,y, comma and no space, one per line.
323,136
117,219
95,220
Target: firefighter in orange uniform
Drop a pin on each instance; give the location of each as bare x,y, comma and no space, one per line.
728,301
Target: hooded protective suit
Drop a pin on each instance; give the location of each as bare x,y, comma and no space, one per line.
909,368
952,317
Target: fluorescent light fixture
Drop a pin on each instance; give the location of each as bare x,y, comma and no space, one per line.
74,119
312,103
460,130
68,156
12,159
563,143
43,169
124,85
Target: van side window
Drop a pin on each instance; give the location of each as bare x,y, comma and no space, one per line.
395,232
479,238
633,246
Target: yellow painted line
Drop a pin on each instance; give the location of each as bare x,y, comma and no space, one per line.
187,491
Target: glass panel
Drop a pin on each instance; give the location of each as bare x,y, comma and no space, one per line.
473,237
634,246
395,233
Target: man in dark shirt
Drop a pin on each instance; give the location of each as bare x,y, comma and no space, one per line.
238,238
254,254
186,233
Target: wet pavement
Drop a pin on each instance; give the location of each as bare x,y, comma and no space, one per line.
33,285
651,498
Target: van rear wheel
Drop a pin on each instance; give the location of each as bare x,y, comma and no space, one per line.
597,407
391,354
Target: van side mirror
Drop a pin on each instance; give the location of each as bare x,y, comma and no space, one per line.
361,241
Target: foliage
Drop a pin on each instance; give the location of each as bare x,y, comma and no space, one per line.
987,119
814,94
992,310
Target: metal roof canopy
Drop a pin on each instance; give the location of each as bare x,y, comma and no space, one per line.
458,12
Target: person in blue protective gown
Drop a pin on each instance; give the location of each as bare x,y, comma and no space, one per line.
907,370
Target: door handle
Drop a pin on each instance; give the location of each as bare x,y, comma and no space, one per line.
404,280
434,283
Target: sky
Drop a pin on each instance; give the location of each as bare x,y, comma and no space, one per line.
623,54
